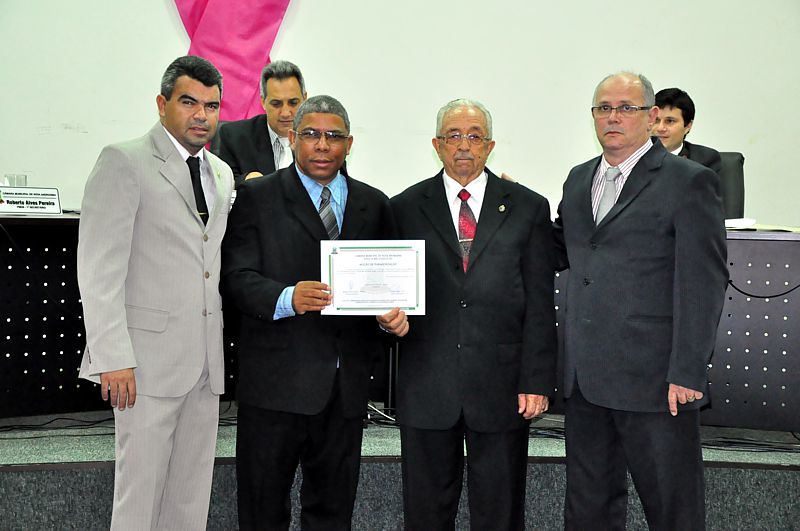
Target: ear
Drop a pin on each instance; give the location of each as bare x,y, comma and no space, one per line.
490,147
161,102
349,145
263,103
652,114
292,138
688,128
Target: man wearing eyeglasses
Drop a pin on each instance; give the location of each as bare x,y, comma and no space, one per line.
643,236
303,377
481,363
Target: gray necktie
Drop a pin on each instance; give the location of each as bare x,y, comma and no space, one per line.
609,196
327,215
277,149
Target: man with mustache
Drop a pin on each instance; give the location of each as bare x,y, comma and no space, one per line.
260,145
643,236
153,215
673,123
481,363
303,377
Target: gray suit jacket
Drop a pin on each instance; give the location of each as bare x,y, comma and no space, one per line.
148,270
646,286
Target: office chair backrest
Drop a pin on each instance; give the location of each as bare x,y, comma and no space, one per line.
731,178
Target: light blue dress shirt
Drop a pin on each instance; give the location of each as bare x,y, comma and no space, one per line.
338,188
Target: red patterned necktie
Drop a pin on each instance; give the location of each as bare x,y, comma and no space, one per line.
466,227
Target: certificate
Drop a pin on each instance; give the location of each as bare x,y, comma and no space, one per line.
370,277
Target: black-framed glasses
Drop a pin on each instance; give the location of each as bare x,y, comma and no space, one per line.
312,136
455,139
604,111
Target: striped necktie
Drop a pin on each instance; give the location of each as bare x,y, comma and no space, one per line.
327,215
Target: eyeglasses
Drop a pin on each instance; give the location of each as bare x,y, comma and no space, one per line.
312,136
604,111
455,139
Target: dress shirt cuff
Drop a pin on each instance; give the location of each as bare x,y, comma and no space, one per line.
284,306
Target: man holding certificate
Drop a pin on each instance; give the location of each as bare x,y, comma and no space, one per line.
303,377
481,363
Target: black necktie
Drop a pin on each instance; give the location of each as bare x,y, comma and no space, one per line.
197,185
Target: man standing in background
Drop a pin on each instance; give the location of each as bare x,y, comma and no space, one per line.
153,215
260,145
643,236
674,121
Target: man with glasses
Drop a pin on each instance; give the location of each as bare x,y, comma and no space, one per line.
643,236
260,145
481,363
303,377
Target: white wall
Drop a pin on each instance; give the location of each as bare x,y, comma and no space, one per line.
78,75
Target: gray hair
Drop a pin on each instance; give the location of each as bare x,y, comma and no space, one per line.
647,87
324,104
457,104
281,70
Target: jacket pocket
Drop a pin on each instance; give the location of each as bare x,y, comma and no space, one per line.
146,318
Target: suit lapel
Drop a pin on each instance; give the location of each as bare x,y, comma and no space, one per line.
220,188
173,167
265,156
497,204
355,212
434,206
299,204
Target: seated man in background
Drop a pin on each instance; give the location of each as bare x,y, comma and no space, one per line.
260,145
673,123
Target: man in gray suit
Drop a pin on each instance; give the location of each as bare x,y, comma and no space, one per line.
153,216
643,235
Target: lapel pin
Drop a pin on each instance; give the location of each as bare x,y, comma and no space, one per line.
501,208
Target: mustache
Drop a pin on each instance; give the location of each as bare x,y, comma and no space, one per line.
613,130
464,156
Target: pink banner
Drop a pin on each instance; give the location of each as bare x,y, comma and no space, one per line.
237,37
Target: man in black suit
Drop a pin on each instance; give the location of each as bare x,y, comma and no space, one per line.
260,145
481,363
303,377
674,121
643,235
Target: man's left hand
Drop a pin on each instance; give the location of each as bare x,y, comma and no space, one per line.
532,405
678,393
395,322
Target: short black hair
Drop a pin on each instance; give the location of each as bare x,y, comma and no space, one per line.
193,66
675,97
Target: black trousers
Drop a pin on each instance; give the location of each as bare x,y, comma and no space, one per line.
662,453
270,445
433,465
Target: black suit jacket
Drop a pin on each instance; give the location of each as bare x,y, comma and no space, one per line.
645,288
245,146
272,242
488,334
708,157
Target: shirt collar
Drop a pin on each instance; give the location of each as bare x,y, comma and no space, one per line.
314,189
273,136
182,150
626,166
678,151
476,187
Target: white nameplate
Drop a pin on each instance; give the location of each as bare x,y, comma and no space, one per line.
29,200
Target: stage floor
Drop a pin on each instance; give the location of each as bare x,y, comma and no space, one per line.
88,437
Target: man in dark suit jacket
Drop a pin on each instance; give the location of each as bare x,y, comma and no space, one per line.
303,377
674,121
643,235
481,363
259,145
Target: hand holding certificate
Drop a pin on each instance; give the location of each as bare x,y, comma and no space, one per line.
370,277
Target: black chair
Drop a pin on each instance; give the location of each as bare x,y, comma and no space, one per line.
731,177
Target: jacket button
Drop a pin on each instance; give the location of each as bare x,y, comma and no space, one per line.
205,313
593,245
205,237
206,274
586,281
463,304
458,346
